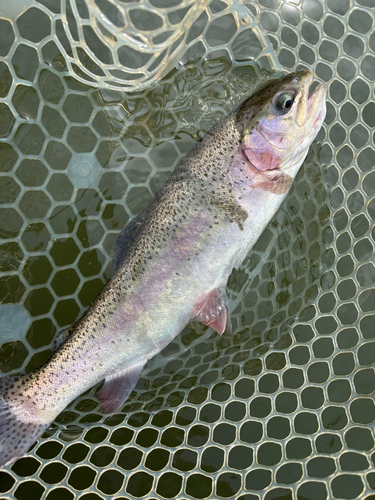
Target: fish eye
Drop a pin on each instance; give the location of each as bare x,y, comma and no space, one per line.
284,102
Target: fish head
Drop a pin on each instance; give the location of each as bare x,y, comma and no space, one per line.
279,122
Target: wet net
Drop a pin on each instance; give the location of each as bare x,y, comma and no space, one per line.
282,409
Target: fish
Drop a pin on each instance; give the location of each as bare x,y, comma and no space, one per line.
172,261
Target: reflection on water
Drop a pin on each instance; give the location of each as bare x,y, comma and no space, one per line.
189,101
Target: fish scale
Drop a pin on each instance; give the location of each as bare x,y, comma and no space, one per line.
172,262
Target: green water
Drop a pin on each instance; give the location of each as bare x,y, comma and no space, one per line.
77,164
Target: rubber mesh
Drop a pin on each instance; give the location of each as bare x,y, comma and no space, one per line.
284,408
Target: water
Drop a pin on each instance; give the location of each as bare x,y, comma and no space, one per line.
294,384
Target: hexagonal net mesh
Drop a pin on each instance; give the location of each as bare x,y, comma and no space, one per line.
283,408
117,44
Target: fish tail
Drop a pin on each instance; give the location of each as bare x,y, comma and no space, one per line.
20,424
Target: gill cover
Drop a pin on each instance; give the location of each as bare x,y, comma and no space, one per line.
274,121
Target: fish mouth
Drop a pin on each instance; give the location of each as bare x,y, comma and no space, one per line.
310,109
318,100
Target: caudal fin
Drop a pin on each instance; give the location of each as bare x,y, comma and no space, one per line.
19,425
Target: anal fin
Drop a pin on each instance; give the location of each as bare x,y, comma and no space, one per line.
117,388
212,310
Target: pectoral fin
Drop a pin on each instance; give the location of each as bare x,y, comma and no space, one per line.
212,310
117,388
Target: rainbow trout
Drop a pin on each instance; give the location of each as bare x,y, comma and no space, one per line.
173,260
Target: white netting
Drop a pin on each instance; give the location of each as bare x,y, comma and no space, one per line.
284,408
119,44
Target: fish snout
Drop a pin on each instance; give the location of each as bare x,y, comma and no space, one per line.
305,78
